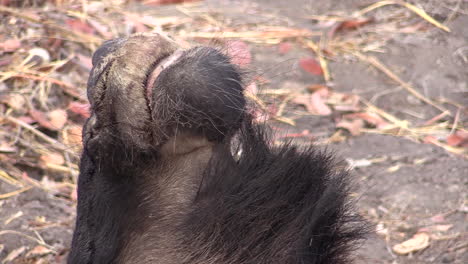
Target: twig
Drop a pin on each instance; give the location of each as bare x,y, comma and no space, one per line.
13,193
322,61
56,144
377,64
275,33
40,241
411,7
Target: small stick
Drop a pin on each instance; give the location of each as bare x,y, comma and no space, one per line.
377,64
11,194
53,142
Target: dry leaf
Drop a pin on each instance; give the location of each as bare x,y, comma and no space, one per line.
315,87
239,52
370,118
166,2
57,118
80,26
314,103
14,254
80,109
38,251
353,24
53,158
16,101
85,61
344,102
459,138
440,218
72,136
311,65
7,148
252,88
284,47
418,242
10,45
100,28
54,120
354,127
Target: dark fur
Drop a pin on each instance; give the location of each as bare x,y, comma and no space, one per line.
182,175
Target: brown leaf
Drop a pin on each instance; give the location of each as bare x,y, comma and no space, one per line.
72,136
7,148
14,254
166,2
53,158
10,45
354,127
16,101
440,218
311,65
57,118
314,103
38,251
252,88
100,28
239,52
353,24
80,25
284,47
344,102
459,138
418,242
80,109
54,120
85,61
315,87
370,118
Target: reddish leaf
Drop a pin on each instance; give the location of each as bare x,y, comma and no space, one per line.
311,65
72,136
251,88
314,103
57,118
166,2
80,109
459,138
100,28
10,45
353,24
53,120
284,47
239,52
344,102
85,61
79,25
354,127
315,87
53,158
135,23
370,118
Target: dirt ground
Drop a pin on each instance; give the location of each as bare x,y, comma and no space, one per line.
411,177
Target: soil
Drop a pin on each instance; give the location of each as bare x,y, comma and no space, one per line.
404,187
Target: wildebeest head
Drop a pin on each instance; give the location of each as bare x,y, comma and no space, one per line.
144,89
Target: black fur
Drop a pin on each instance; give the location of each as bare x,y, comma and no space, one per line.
174,170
